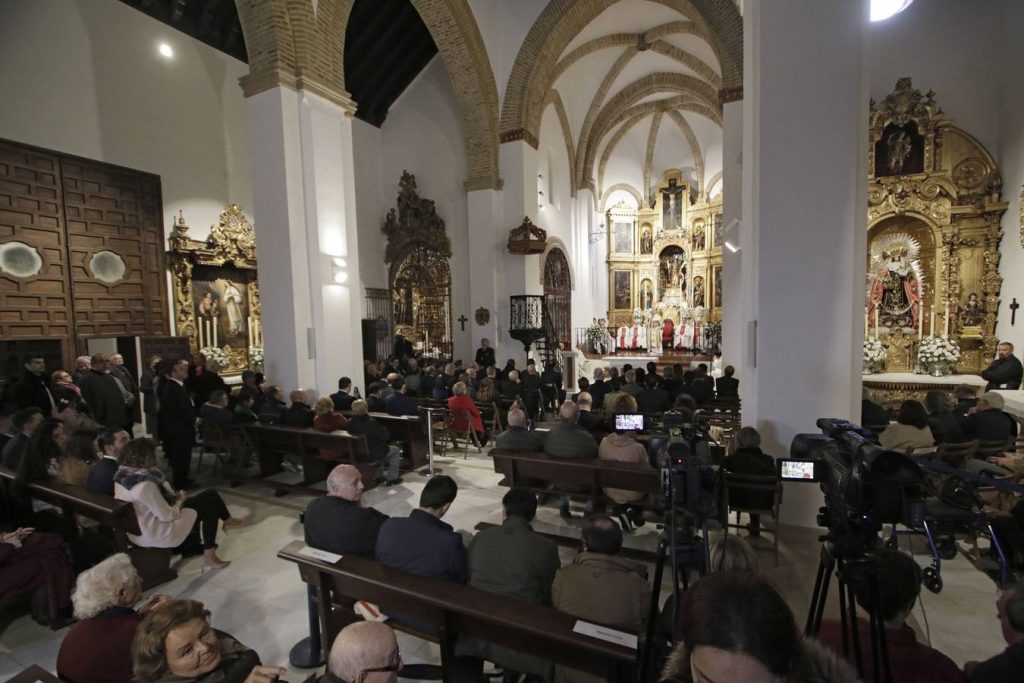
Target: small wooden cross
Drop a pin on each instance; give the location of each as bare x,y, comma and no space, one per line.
1013,311
462,322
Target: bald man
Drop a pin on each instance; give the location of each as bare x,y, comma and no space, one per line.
337,522
366,651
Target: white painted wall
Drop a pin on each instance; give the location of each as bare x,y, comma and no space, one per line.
971,59
84,77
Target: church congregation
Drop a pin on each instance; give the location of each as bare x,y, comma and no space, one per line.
380,340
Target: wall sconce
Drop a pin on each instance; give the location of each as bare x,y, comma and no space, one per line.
338,273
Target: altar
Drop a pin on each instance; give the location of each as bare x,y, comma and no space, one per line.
889,389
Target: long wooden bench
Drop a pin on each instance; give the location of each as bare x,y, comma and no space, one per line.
451,610
153,564
635,554
272,443
537,471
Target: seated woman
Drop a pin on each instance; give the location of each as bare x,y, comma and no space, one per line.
98,647
80,453
175,642
622,446
911,429
327,418
31,560
459,402
43,453
486,392
168,518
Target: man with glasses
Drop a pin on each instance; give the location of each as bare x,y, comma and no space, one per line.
365,652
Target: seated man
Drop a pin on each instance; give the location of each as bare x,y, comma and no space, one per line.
517,437
421,543
215,410
872,415
599,388
23,424
512,388
652,399
337,522
101,476
272,410
1006,666
988,422
589,420
966,398
630,386
899,583
622,584
367,652
727,386
748,459
299,413
343,398
570,441
945,426
377,443
375,398
515,561
399,403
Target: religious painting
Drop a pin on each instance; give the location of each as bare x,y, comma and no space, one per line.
699,236
623,232
672,206
646,295
623,290
900,151
698,291
671,269
646,239
221,301
718,287
716,231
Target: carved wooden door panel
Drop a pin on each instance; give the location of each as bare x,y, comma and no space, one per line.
558,297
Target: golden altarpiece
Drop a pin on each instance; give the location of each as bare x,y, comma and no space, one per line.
216,292
934,211
665,258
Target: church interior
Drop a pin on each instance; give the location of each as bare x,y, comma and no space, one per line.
288,195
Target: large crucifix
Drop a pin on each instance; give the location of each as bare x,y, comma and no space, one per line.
1013,311
462,322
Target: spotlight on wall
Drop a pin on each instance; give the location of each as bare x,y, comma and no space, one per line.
883,9
165,51
731,247
338,273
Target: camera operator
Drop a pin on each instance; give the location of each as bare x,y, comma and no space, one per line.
1006,666
899,584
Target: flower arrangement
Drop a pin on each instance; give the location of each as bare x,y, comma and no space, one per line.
698,313
596,334
212,353
713,333
938,354
874,355
256,356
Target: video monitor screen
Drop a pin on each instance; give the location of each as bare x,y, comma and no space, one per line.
796,470
630,422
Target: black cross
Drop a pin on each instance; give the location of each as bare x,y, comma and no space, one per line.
1013,310
462,322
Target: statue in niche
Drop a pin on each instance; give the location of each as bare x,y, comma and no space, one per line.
972,313
671,268
646,242
895,288
699,240
698,291
647,295
899,151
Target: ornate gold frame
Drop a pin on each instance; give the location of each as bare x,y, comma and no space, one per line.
232,242
957,194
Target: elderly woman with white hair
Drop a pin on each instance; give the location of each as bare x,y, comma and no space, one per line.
97,649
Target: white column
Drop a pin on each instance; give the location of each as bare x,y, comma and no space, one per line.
804,219
487,270
304,213
734,316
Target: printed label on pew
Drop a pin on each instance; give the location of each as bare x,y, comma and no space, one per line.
321,555
605,633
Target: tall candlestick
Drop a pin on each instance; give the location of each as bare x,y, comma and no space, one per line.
213,324
946,318
876,322
931,322
866,328
920,325
199,336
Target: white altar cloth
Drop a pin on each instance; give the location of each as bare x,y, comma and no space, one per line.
911,378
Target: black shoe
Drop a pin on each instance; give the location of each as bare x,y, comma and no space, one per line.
564,512
393,482
636,515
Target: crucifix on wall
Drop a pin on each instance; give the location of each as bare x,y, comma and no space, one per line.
1013,311
462,322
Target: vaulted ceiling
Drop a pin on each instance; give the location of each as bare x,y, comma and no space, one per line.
386,43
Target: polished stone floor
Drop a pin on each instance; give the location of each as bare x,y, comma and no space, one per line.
261,601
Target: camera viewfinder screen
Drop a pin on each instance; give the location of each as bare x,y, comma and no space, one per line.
629,422
797,469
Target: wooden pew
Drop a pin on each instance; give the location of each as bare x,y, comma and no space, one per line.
635,554
536,471
153,564
451,610
273,442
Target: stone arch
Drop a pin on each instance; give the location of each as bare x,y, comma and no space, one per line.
711,184
625,187
557,243
562,20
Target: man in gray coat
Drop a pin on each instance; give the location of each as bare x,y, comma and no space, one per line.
515,561
517,437
570,441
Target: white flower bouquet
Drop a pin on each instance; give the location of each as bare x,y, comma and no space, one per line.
938,354
212,353
874,354
256,356
698,313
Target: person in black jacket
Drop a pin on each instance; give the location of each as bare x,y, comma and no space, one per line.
176,422
599,388
33,388
652,399
966,398
337,522
101,476
485,354
343,398
102,394
517,437
1005,372
299,414
273,409
748,459
872,415
988,422
377,442
727,385
946,427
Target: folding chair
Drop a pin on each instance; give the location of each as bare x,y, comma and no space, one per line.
462,416
753,483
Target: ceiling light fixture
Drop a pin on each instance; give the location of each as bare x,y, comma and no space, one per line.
166,50
883,9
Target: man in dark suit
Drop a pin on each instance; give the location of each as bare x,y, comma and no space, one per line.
570,441
102,394
531,390
988,422
101,476
1005,371
23,424
33,388
517,437
421,543
176,422
595,424
337,522
728,386
399,403
343,398
375,397
652,399
202,379
273,409
485,354
599,388
299,414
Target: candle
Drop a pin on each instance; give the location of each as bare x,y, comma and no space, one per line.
946,318
214,326
931,322
199,336
866,328
876,322
920,325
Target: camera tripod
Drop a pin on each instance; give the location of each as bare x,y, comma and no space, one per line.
849,571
